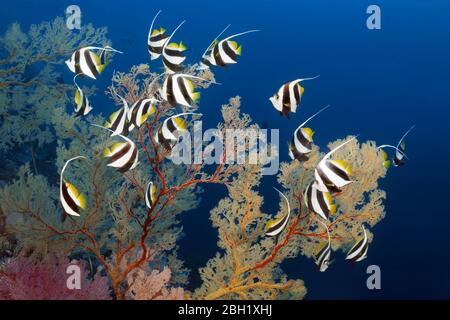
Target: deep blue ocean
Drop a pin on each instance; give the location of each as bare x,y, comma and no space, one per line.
378,82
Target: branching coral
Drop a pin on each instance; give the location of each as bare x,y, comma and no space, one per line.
152,285
250,266
25,279
32,91
136,246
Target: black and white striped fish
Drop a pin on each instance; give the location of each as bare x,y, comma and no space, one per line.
224,52
82,105
122,155
85,61
319,202
332,175
156,40
118,121
359,251
322,258
288,97
275,226
140,111
150,195
69,196
301,143
178,89
207,59
173,55
400,155
169,132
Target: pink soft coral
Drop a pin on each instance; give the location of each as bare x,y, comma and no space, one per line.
153,285
25,279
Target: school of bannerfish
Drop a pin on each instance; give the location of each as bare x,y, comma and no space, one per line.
178,90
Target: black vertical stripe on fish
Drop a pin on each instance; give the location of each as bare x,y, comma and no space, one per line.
217,57
327,182
171,125
183,90
130,162
296,154
90,63
229,51
286,98
169,92
296,90
166,143
320,196
171,66
68,199
303,140
357,247
158,37
362,252
118,155
77,62
174,52
146,107
277,225
338,171
157,50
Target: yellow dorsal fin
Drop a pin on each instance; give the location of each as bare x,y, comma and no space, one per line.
333,209
195,96
106,152
387,164
301,89
81,201
77,96
96,59
181,46
343,165
309,133
113,116
172,45
117,145
233,44
180,123
79,198
239,50
190,85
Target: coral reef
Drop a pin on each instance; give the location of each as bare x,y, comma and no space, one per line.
26,279
133,247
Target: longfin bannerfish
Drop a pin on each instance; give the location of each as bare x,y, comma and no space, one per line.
118,121
322,257
71,199
85,61
156,40
400,155
401,148
178,89
150,195
276,226
168,134
301,143
359,251
319,202
288,97
122,155
140,111
207,59
173,55
82,105
332,175
224,52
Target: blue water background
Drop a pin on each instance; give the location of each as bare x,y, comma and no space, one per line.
378,82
